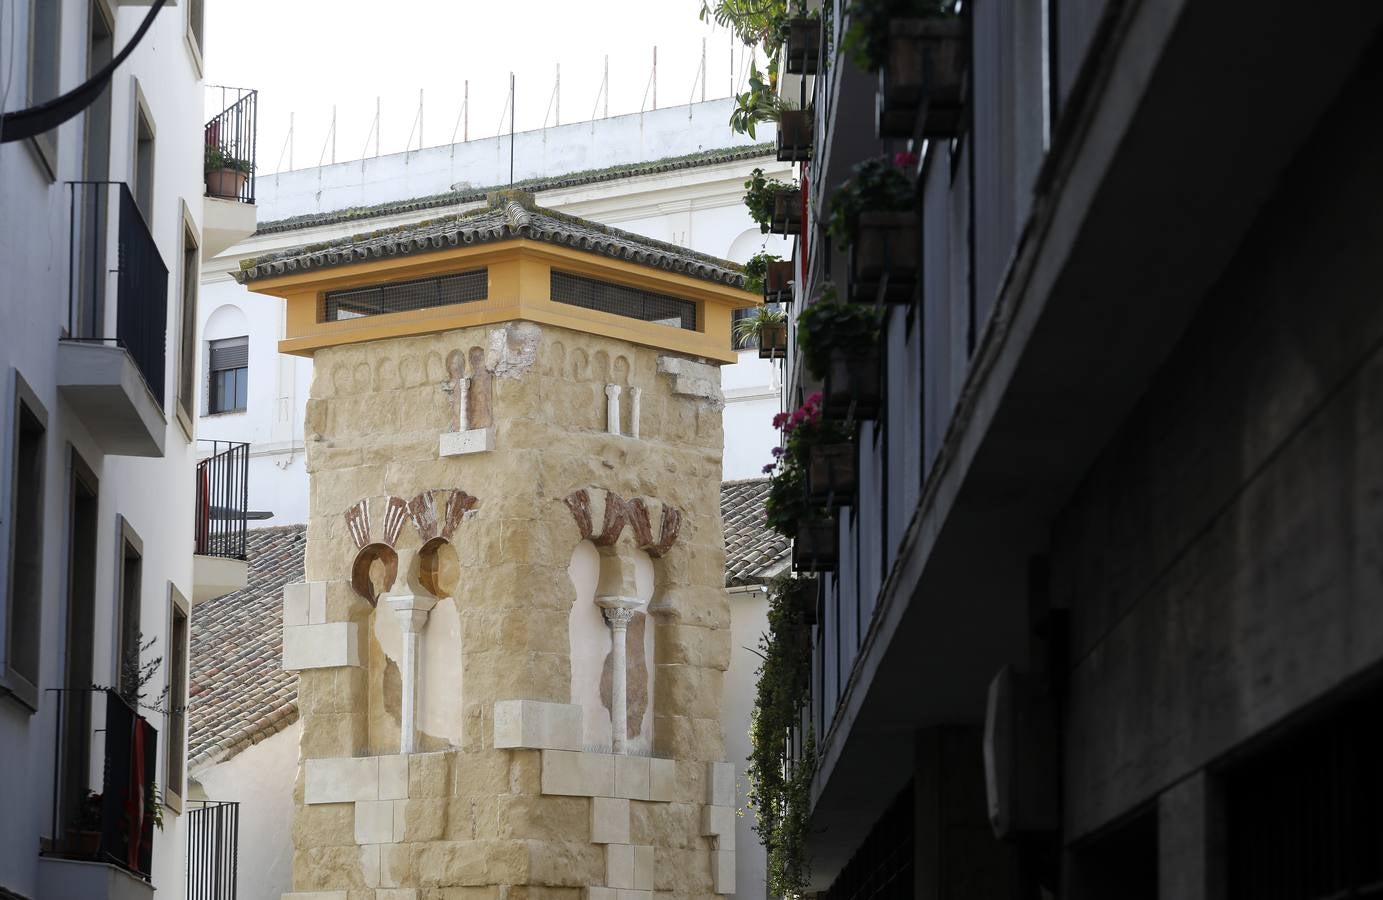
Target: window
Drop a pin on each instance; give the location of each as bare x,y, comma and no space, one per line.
622,300
81,625
24,606
403,296
229,375
187,343
143,174
45,48
96,149
196,15
131,572
176,739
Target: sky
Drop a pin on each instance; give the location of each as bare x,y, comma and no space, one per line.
306,56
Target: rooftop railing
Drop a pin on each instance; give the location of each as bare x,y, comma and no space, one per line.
230,145
213,850
223,498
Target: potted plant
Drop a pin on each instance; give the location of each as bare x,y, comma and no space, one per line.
832,476
814,548
874,213
771,202
923,74
225,175
778,278
794,135
769,327
757,268
840,344
85,837
760,103
802,46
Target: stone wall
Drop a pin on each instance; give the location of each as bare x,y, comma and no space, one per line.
472,817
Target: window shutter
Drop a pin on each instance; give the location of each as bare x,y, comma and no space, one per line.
230,354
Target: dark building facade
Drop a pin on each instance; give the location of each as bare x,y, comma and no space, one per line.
1130,454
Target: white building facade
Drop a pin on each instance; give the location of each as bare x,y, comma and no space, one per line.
101,225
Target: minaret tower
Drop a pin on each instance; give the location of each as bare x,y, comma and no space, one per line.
511,641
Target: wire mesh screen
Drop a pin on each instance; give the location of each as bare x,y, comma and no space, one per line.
403,296
621,300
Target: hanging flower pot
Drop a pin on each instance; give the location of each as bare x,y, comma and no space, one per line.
773,340
787,212
803,46
795,135
886,244
854,387
778,278
814,547
922,75
832,474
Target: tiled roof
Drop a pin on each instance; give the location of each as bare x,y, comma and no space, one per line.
239,693
509,215
534,185
752,551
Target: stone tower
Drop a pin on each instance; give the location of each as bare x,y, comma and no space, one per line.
512,637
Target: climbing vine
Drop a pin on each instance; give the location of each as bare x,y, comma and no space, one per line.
780,787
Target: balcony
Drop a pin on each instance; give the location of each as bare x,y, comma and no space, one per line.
96,851
111,364
223,498
229,147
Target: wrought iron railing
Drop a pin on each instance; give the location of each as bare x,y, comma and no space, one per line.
107,234
223,499
213,849
230,144
115,826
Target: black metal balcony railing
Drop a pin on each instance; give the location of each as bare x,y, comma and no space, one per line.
213,849
230,145
100,210
223,499
115,826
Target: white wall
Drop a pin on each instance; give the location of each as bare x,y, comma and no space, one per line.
154,495
748,620
261,780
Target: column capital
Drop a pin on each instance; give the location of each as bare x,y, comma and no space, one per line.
618,611
412,609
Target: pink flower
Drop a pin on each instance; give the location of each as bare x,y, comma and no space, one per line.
768,469
777,452
813,399
779,419
904,159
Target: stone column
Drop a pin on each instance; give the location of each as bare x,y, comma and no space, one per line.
634,395
612,408
618,612
412,611
463,402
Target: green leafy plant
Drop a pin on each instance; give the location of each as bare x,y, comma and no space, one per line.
759,192
830,325
754,22
787,504
866,40
215,160
760,103
750,328
756,269
779,788
879,185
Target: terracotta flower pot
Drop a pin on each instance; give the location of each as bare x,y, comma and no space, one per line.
814,548
778,282
225,183
794,135
886,244
832,475
787,212
854,386
773,340
922,76
802,51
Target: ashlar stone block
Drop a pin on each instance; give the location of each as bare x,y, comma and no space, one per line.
341,780
460,443
720,783
374,822
643,868
393,777
599,893
633,895
619,865
323,646
537,725
662,780
717,821
723,871
314,895
631,777
609,820
369,864
578,774
305,603
396,894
